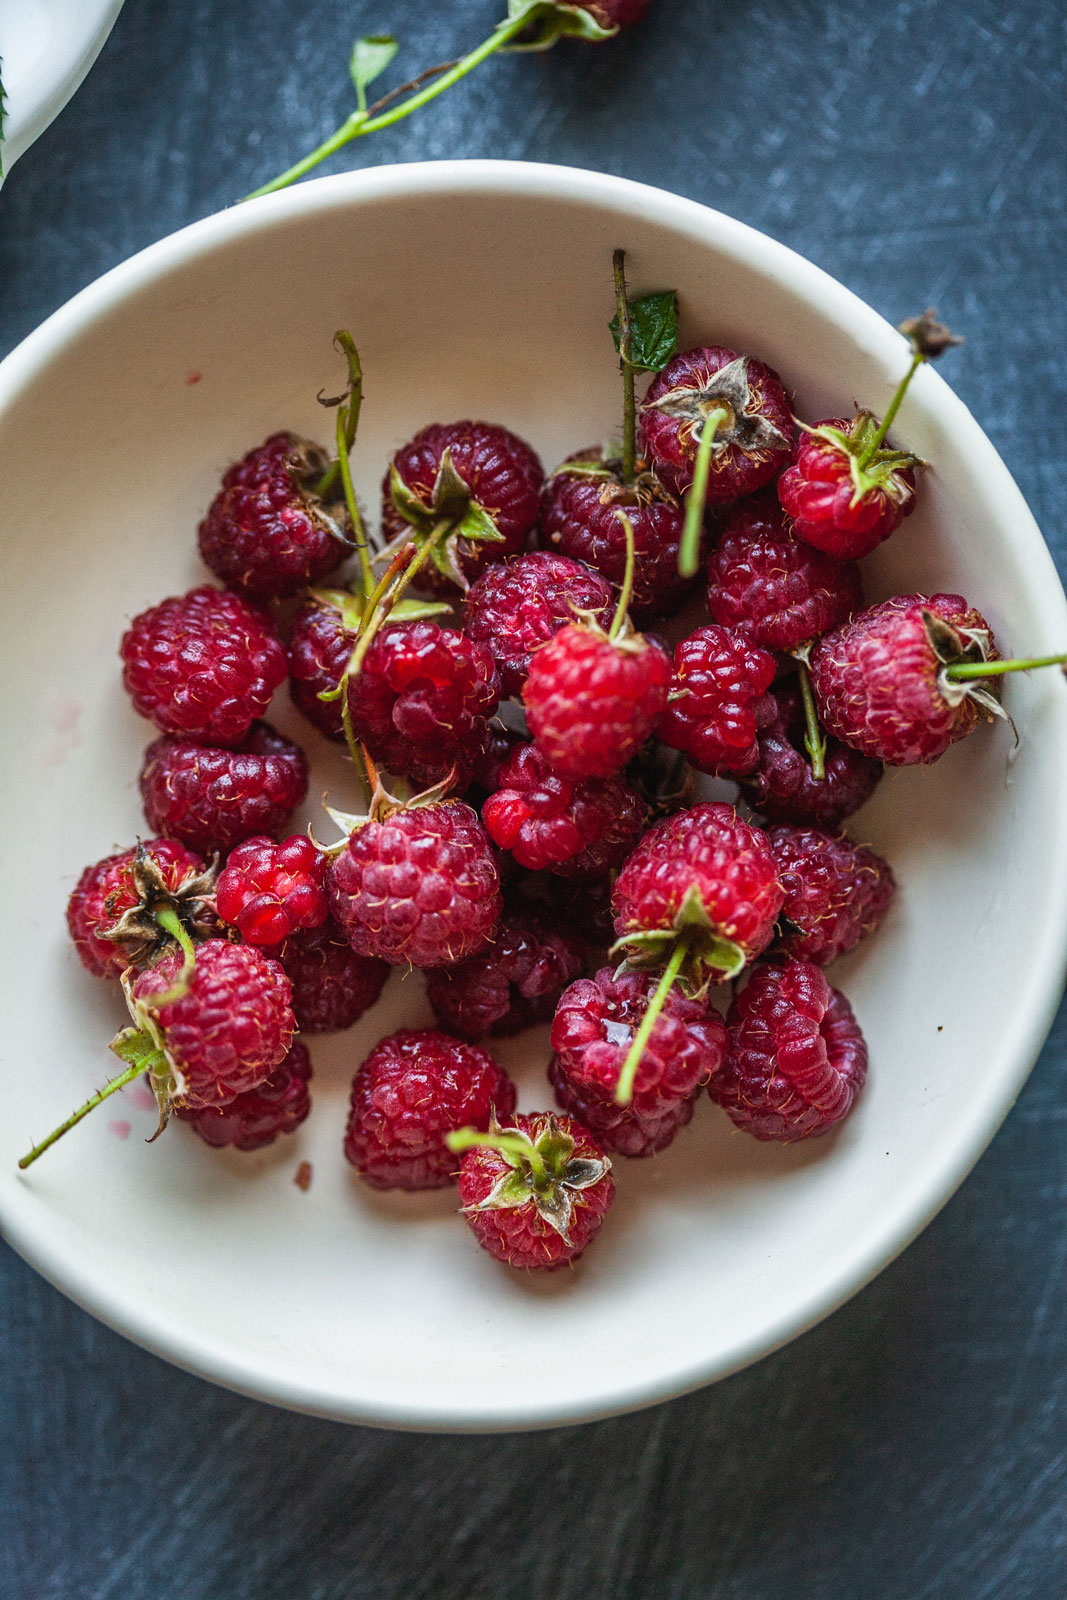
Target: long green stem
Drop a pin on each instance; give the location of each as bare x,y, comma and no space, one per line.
508,1143
894,406
814,739
83,1111
359,532
624,1089
964,671
692,532
629,403
626,593
348,412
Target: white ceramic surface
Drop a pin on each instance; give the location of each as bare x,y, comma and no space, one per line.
47,47
480,288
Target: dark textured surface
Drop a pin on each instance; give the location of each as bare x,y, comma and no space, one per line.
914,1445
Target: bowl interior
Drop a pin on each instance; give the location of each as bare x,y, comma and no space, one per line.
479,290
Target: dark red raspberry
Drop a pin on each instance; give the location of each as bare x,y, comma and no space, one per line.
267,532
415,1087
783,787
591,701
828,510
718,701
231,1027
202,665
836,892
320,648
752,442
256,1118
542,1212
268,891
332,986
117,896
883,682
615,1127
513,984
214,799
420,888
588,914
772,589
485,773
576,827
514,608
796,1059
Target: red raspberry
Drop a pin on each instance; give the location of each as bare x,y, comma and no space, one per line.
819,493
796,1058
588,915
231,1027
320,648
836,892
267,891
616,13
538,1219
215,799
770,588
203,665
513,984
332,986
615,1127
514,608
117,896
718,701
485,773
415,1087
421,888
267,532
591,701
883,681
579,517
783,788
576,827
255,1119
751,444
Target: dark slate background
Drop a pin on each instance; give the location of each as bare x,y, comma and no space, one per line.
914,1445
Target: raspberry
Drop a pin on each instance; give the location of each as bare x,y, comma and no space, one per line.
512,985
883,682
616,13
836,892
575,827
486,770
214,799
753,439
267,532
255,1118
202,665
769,587
591,701
332,986
320,648
419,888
542,1209
415,1087
514,608
718,701
796,1059
783,788
615,1127
588,915
109,914
820,495
267,891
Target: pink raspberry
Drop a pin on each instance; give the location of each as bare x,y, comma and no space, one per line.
514,608
332,985
615,1127
718,701
783,788
796,1059
819,493
513,984
109,913
320,648
268,891
214,799
258,1116
836,892
576,827
591,701
414,1088
203,665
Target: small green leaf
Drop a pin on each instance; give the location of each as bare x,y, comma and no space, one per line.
550,20
370,57
653,330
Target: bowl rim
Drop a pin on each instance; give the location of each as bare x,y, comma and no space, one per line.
68,69
33,1234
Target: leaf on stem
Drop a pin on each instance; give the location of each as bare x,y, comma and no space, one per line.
369,59
653,330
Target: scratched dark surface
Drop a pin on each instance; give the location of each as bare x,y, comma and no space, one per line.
915,1444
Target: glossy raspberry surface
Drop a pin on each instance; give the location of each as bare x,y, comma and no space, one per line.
591,702
332,985
106,890
319,649
615,1128
672,444
836,892
577,827
515,607
268,891
513,984
782,786
818,493
213,799
718,701
258,1116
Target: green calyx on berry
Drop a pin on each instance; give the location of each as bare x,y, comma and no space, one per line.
542,22
451,515
645,332
543,1170
966,665
383,803
145,929
707,956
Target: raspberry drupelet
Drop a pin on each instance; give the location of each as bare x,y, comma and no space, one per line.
718,701
575,827
783,787
513,984
332,985
515,607
213,799
110,914
836,892
268,891
259,1116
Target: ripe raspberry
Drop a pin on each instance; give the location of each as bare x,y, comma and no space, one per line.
420,888
320,648
267,891
767,586
587,915
751,443
214,799
513,984
883,682
783,787
231,1027
591,701
202,665
615,1127
485,773
836,892
796,1059
255,1119
828,509
415,1087
576,827
109,914
267,532
718,701
540,1210
332,986
514,608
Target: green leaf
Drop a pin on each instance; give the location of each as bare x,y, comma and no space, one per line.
370,57
550,20
653,330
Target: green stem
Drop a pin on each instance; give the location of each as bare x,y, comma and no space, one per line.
359,532
624,1089
626,593
814,739
168,919
349,410
689,550
83,1111
894,406
964,671
629,403
512,1144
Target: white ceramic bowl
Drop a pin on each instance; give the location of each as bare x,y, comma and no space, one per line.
47,47
480,288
